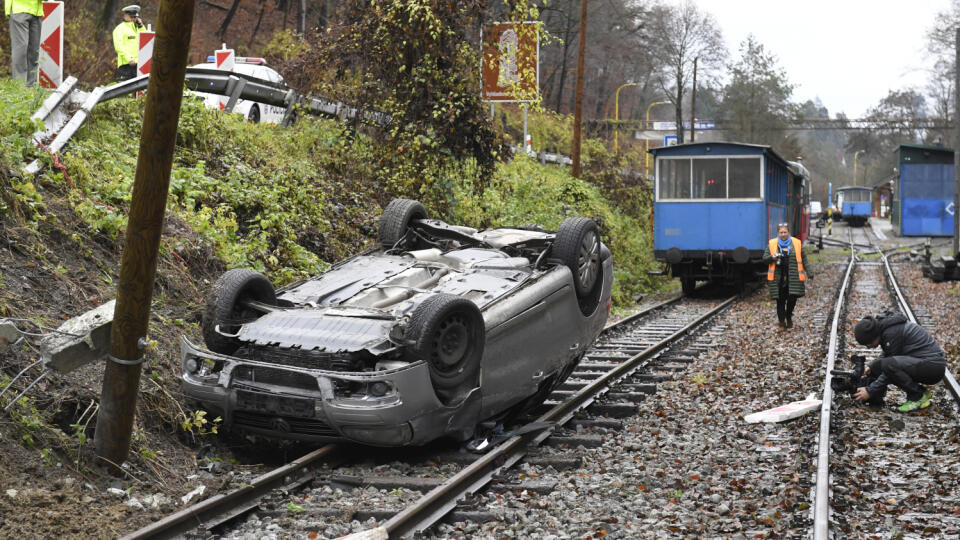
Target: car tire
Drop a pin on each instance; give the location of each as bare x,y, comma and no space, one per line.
396,220
577,246
225,307
448,334
254,115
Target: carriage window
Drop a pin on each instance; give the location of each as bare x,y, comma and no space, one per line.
744,178
710,178
675,179
857,195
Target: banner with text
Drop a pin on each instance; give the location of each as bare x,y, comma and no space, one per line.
510,65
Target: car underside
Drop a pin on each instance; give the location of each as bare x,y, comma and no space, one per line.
439,328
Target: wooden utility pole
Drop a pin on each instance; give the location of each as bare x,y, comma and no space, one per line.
138,268
693,102
578,107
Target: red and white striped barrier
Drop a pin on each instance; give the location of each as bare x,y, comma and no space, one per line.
145,52
51,46
225,59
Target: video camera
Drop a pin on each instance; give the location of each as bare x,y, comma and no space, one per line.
849,381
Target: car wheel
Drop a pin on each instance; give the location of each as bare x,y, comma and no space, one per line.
448,333
254,115
396,220
225,306
577,245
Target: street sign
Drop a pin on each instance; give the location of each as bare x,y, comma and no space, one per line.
672,126
510,64
670,140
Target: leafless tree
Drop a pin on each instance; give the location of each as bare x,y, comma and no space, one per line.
941,43
682,34
618,51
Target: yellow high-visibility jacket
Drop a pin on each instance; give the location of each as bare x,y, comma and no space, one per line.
796,270
125,42
33,7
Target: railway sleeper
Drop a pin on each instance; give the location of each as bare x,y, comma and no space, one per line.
422,484
574,441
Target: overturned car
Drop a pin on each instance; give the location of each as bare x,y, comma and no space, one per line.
438,329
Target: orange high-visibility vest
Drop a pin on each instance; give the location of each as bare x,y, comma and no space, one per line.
801,273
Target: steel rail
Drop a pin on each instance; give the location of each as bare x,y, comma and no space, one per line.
196,515
435,504
641,313
821,495
220,505
821,515
948,379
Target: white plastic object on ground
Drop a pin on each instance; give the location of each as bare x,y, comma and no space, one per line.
785,412
380,533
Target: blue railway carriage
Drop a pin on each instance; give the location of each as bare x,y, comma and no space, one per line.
855,204
718,203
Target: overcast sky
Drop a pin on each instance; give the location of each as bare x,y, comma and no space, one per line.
849,53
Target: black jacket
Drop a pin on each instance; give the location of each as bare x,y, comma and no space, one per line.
899,337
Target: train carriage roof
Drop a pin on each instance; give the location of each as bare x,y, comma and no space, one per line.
719,149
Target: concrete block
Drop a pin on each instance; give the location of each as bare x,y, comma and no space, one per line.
86,339
8,334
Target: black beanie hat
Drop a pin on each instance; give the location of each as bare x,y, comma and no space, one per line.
866,331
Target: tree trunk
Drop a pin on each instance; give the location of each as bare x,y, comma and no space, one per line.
108,15
253,35
301,17
563,60
227,20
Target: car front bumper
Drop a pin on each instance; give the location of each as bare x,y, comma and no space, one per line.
399,407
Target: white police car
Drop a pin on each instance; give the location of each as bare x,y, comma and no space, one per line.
251,110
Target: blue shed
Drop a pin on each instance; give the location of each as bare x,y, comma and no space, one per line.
716,205
923,195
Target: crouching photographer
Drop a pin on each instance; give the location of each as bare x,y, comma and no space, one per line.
910,358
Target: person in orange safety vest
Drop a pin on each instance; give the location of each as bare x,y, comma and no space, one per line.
786,273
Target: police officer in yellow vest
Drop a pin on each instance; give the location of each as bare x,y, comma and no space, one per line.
786,273
25,18
126,44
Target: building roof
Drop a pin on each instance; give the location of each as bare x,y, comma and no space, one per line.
690,149
919,153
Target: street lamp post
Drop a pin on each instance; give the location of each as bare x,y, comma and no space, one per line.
616,108
856,155
646,142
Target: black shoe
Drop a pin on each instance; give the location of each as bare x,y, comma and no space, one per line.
789,322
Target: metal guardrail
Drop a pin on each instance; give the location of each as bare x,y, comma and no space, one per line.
236,86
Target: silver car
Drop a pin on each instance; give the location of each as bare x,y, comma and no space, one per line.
438,329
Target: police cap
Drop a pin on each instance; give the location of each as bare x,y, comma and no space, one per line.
132,9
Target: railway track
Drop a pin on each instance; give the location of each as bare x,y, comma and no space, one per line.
882,474
396,492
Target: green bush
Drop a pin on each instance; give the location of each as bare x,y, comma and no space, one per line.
288,201
526,193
